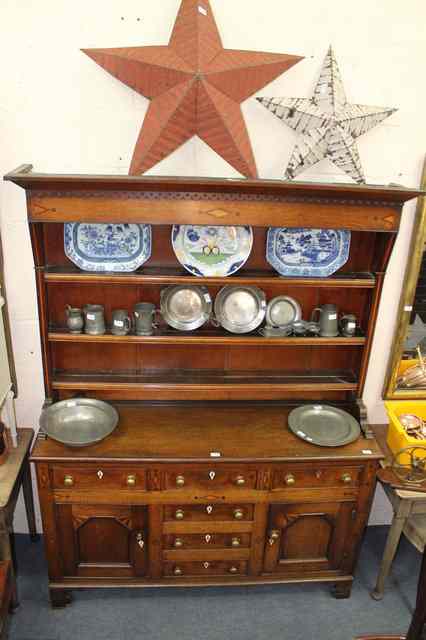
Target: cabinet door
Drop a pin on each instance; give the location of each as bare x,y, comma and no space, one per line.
308,538
102,541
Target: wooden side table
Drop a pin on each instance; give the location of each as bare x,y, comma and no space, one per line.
14,473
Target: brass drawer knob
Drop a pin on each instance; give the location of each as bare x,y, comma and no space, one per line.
235,542
240,481
178,543
180,481
274,535
68,481
179,514
290,480
233,569
177,571
346,478
238,514
131,480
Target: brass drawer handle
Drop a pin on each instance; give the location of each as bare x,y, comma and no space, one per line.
177,571
290,480
131,480
68,481
178,543
140,540
240,481
235,542
179,514
238,514
346,478
233,569
274,535
180,481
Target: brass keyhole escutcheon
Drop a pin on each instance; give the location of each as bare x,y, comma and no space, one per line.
207,538
212,475
206,565
140,540
100,474
209,509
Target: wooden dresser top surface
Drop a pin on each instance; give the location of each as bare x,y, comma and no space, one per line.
165,433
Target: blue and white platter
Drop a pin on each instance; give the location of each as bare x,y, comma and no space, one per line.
107,247
212,250
307,253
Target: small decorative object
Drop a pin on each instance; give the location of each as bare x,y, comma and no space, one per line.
79,422
327,123
121,322
283,311
324,425
212,250
144,314
75,320
186,307
347,324
275,332
195,87
240,309
307,253
94,319
107,247
328,322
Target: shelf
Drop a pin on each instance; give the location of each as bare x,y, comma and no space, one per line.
205,337
165,276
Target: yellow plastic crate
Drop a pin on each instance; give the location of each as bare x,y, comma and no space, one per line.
397,436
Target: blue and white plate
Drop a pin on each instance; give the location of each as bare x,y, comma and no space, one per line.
212,250
307,253
107,247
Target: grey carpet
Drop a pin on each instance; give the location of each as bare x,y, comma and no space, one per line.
284,612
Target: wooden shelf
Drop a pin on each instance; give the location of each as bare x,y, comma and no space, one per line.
165,276
204,337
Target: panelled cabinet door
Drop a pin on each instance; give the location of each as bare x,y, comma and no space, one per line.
102,541
308,537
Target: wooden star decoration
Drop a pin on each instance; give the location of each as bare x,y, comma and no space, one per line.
195,87
328,124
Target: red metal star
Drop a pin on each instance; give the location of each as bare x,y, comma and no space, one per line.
195,86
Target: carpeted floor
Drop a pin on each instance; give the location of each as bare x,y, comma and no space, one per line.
284,612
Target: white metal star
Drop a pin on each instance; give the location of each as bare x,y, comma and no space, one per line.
328,124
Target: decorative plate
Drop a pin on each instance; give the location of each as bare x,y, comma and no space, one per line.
308,253
323,425
240,309
185,307
107,247
212,250
282,311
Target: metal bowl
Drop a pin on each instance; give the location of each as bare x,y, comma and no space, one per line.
79,422
240,309
185,307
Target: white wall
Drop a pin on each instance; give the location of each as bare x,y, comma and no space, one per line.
63,113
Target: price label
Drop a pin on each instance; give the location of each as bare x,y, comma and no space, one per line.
118,323
215,454
351,325
90,316
333,316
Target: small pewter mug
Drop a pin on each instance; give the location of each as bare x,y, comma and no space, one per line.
347,324
121,322
94,319
75,320
144,314
328,323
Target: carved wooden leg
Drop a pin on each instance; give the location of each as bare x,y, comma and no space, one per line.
388,555
342,590
27,490
59,598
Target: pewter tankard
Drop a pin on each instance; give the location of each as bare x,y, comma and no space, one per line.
328,323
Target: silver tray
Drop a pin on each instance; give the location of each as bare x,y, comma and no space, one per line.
324,425
185,307
79,422
240,309
282,311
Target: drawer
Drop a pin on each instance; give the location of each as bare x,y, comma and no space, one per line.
314,476
208,512
95,477
207,541
207,568
206,477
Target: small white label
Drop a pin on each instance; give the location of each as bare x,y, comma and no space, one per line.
207,297
90,316
333,316
367,452
263,304
408,308
215,454
202,10
118,323
351,325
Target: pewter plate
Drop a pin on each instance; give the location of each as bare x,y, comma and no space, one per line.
240,309
323,425
185,307
282,311
79,422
